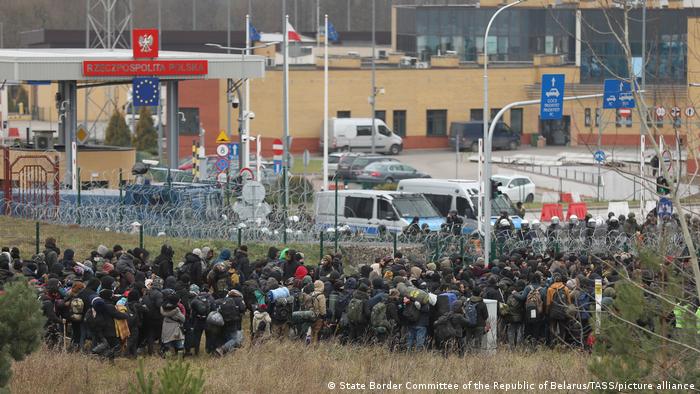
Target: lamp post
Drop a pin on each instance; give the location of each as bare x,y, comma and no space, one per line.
486,181
373,98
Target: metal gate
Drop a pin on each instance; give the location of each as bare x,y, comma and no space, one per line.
30,181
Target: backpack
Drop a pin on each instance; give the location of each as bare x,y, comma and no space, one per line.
515,309
317,306
259,298
229,310
444,329
470,314
342,305
200,307
333,299
583,303
378,316
533,305
152,305
234,276
222,285
410,312
185,268
282,310
356,313
76,308
557,311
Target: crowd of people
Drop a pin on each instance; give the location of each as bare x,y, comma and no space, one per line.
122,302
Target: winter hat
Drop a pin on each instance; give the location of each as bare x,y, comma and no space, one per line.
351,283
198,253
571,284
106,294
194,289
300,272
431,266
68,254
122,301
149,283
377,284
102,250
157,283
107,268
205,251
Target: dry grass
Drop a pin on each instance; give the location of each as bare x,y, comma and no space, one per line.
292,367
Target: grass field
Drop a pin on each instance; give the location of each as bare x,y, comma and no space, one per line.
284,367
21,233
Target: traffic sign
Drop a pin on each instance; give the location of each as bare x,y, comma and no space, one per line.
222,150
222,138
689,112
660,111
247,174
675,112
253,192
625,112
222,164
277,166
82,135
664,208
599,156
617,94
552,97
233,150
667,159
277,147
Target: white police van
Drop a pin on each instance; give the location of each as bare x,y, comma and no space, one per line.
366,211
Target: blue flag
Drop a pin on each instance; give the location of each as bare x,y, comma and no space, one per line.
145,91
253,33
332,33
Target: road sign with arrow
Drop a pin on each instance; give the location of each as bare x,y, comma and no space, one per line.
552,97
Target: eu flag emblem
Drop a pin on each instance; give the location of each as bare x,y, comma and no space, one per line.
146,91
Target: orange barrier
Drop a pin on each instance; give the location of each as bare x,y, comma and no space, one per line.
549,210
577,208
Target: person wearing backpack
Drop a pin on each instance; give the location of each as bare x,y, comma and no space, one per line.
88,294
232,307
358,314
76,310
172,334
556,305
153,321
200,306
516,313
477,316
319,308
136,311
534,330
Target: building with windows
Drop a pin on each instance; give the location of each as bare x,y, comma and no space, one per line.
432,76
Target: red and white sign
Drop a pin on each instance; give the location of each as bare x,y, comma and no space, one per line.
130,68
675,112
660,112
145,50
292,34
625,112
247,174
277,147
690,112
145,43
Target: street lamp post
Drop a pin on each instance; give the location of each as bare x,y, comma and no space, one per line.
374,83
486,181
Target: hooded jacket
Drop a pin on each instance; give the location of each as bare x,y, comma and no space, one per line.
192,267
173,319
125,264
164,262
319,299
482,313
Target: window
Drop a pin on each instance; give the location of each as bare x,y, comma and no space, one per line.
385,211
190,125
364,131
618,118
441,202
516,120
383,130
358,207
494,111
587,117
436,120
628,120
476,114
464,208
380,114
598,113
343,114
400,122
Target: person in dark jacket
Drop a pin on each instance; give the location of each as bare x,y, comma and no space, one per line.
153,321
163,263
358,331
51,305
290,264
473,335
192,268
136,315
232,332
106,313
243,263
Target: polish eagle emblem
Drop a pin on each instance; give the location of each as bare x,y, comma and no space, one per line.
146,43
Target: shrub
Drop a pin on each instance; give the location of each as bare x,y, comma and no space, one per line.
177,377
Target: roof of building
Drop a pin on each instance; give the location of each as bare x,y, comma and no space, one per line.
61,64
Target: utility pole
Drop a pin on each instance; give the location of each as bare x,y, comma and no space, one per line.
374,84
194,14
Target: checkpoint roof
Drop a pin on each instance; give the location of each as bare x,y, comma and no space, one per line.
59,64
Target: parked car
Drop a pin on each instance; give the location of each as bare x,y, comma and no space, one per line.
388,172
368,211
470,132
516,187
352,164
333,160
355,134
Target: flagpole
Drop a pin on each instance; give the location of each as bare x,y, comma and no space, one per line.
285,104
325,104
245,151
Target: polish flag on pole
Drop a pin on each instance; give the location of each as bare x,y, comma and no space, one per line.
292,34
